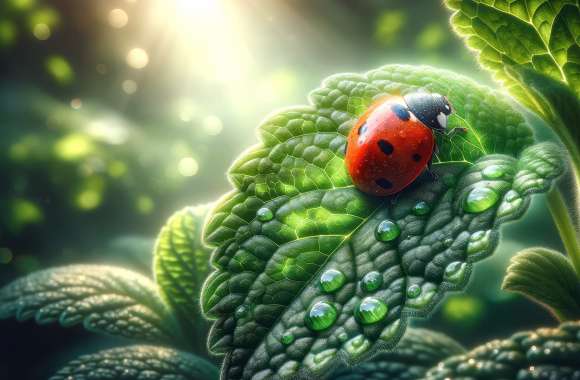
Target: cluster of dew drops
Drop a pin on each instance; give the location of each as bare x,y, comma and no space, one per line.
323,314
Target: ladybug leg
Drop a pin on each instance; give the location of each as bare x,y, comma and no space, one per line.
432,175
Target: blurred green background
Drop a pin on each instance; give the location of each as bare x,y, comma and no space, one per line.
115,113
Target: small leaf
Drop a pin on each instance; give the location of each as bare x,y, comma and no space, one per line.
548,278
295,219
539,34
105,299
546,353
138,363
418,351
181,265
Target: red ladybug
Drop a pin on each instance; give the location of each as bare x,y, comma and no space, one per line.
393,142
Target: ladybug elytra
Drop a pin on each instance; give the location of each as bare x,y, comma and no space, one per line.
393,141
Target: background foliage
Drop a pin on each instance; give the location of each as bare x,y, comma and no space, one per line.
114,114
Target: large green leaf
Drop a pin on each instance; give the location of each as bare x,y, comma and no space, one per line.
138,363
418,351
547,277
182,263
539,34
295,214
547,353
104,299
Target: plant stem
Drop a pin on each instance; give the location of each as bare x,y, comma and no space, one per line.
568,233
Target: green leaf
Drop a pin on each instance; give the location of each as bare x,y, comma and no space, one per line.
182,262
295,214
138,363
538,34
546,353
547,277
104,299
418,351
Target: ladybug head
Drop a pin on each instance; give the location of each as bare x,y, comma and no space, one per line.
431,109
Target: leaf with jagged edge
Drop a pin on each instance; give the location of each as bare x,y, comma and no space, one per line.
547,277
181,264
311,219
104,299
542,35
138,363
418,351
546,353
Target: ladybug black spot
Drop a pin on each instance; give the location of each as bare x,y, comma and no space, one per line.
384,183
401,111
362,129
386,147
416,157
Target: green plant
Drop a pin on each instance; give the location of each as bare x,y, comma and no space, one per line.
531,46
118,302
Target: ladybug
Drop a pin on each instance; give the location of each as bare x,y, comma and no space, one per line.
393,142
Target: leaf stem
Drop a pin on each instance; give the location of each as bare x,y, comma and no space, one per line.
568,233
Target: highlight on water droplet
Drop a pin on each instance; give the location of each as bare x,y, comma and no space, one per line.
493,172
387,230
241,311
371,281
264,214
448,242
413,291
421,208
287,338
332,280
370,310
480,199
320,316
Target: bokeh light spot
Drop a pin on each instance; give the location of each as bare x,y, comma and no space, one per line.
24,213
389,24
118,18
212,125
144,204
137,58
88,199
462,309
73,147
21,5
7,33
117,169
433,36
59,69
76,104
41,32
188,167
129,86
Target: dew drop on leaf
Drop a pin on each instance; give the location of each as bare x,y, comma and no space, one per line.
241,311
387,230
287,338
493,172
371,281
332,280
480,199
448,242
413,291
320,316
455,271
265,214
421,208
371,310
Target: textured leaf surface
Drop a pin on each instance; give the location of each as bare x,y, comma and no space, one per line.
417,352
138,363
104,299
547,353
539,34
182,262
295,214
547,277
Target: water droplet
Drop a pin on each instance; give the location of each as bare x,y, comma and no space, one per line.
241,311
448,242
421,208
479,242
287,338
371,281
371,310
321,316
480,199
493,172
265,214
455,271
413,291
387,230
511,196
357,345
332,280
